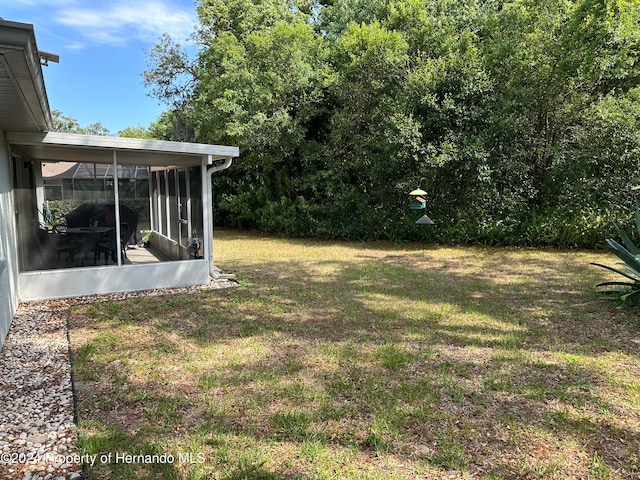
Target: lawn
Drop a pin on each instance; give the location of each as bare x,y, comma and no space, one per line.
366,361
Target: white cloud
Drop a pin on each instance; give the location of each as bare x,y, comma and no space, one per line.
118,22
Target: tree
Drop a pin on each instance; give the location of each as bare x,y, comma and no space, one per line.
521,115
63,123
136,132
172,74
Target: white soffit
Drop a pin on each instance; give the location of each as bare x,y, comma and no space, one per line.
73,147
23,98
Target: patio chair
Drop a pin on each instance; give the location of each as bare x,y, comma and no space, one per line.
64,243
108,245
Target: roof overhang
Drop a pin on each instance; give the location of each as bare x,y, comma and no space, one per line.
73,147
24,105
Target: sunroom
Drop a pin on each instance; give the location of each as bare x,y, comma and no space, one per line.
100,214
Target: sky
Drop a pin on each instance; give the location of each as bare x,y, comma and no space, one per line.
102,46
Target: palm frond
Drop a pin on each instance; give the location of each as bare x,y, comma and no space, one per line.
620,272
629,268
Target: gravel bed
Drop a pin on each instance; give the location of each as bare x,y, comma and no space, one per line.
38,433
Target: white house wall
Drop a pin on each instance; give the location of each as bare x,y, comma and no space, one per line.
76,282
8,249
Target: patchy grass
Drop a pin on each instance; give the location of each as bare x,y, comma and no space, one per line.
366,361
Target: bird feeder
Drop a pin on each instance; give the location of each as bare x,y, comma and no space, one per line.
419,202
418,199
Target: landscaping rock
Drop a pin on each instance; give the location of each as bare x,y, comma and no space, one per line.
37,426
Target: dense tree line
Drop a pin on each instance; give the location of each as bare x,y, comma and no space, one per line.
523,116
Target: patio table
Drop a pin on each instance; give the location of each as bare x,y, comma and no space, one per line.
88,239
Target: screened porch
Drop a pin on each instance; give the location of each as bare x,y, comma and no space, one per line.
106,214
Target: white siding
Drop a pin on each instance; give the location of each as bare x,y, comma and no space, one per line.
8,250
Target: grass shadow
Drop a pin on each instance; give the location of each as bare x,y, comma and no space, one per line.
451,359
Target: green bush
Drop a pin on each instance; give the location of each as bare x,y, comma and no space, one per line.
59,208
362,221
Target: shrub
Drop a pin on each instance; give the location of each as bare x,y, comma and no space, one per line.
628,289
